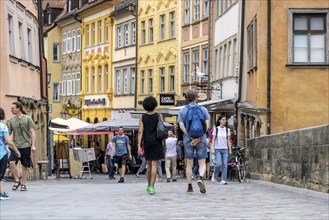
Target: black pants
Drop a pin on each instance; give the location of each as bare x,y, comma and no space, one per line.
3,166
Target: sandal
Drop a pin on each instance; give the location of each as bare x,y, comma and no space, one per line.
16,185
23,188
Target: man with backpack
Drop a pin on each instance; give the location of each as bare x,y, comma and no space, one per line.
193,120
120,145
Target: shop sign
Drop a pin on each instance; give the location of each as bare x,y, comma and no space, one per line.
100,101
167,99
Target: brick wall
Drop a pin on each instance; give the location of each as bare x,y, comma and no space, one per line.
297,158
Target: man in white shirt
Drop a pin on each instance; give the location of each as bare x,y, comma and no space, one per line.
171,157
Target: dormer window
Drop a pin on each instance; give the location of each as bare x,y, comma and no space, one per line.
49,17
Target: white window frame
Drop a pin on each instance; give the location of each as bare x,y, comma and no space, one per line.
143,39
187,6
100,79
125,80
21,39
106,31
93,34
73,78
11,34
142,81
133,30
87,80
100,27
78,83
172,24
162,27
196,11
206,8
195,65
291,33
78,40
93,80
117,82
106,77
74,39
126,34
57,54
119,36
171,78
69,42
205,60
150,75
87,35
133,80
69,84
64,85
186,67
162,79
30,44
151,30
56,92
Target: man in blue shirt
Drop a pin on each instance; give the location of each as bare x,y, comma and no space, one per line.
120,145
198,144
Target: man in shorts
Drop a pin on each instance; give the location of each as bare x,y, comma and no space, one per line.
198,144
120,145
22,128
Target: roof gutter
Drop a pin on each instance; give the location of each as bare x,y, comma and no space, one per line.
243,9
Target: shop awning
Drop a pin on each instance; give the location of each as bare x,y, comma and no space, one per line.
59,125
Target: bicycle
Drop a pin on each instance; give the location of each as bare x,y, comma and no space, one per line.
239,167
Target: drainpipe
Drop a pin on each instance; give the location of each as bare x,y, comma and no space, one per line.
43,60
269,46
136,55
209,32
78,19
240,62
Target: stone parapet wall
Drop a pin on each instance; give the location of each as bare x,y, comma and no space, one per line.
297,158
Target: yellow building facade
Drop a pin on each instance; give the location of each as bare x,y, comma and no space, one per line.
291,92
52,41
158,53
97,84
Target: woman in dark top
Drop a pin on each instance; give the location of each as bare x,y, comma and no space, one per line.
153,147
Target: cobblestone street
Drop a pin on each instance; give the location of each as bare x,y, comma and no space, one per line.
100,198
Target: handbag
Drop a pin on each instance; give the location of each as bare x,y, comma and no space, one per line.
104,167
162,132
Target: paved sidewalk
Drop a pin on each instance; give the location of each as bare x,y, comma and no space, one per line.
106,199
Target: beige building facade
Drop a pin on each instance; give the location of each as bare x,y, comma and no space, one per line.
21,78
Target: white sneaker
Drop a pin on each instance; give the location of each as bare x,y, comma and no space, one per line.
213,180
223,182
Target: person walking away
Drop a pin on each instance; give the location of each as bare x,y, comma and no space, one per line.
154,150
5,140
110,161
22,128
171,157
221,147
143,164
120,145
193,120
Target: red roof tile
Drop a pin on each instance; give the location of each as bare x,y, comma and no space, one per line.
53,3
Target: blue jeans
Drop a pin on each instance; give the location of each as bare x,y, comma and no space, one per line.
110,166
221,157
159,168
143,165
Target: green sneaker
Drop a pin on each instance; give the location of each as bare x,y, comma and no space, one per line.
4,196
148,188
151,191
